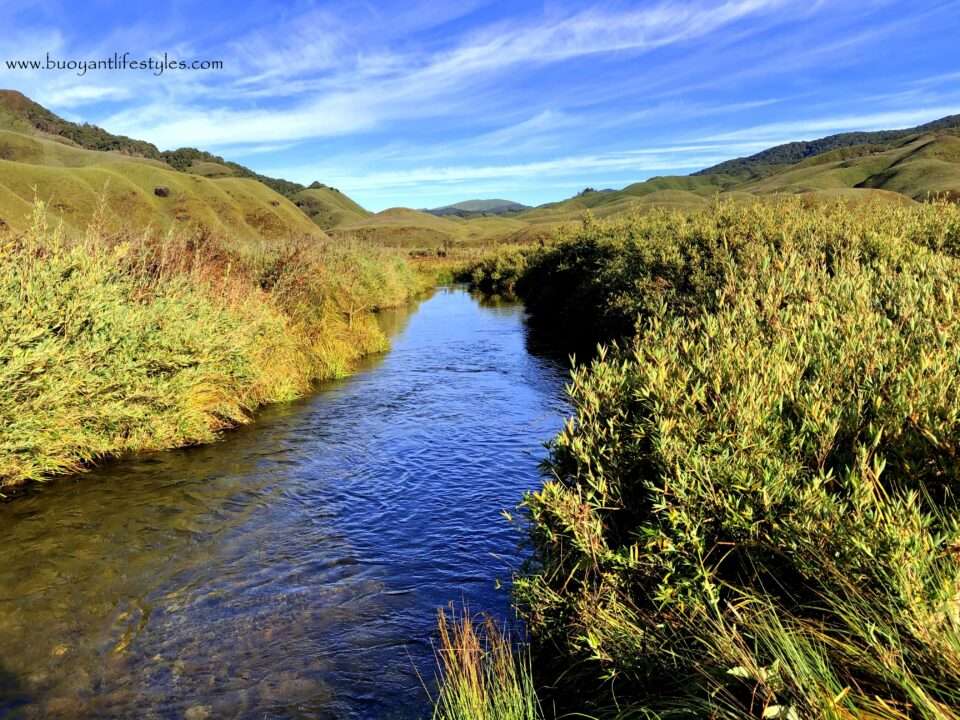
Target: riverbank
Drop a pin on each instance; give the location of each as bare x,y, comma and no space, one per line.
116,342
752,513
294,568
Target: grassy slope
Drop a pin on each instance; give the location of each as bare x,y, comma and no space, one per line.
73,180
405,228
912,166
890,166
925,165
328,207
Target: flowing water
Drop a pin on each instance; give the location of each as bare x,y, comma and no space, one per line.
293,570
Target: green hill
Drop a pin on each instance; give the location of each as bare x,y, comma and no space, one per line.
328,207
74,164
21,114
74,167
889,166
921,166
473,208
767,161
403,227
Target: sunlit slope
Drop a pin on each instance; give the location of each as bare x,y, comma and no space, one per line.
402,227
921,167
138,192
328,207
673,192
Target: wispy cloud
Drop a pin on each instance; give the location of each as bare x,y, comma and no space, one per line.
416,98
364,92
642,162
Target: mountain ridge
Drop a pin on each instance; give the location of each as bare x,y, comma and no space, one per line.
67,160
797,151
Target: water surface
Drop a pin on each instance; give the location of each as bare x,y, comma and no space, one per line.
293,570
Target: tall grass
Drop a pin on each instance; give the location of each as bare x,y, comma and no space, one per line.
481,678
753,511
113,342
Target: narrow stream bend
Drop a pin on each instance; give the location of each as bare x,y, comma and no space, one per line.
293,570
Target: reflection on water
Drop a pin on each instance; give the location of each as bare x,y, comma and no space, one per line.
293,570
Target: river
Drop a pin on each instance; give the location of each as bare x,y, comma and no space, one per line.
293,570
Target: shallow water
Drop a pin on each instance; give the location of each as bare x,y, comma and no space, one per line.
294,569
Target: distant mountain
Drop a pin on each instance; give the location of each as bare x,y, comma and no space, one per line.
470,208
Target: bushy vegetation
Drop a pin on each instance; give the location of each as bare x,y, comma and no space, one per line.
184,158
497,273
753,511
112,343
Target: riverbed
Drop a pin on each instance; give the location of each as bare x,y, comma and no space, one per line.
294,569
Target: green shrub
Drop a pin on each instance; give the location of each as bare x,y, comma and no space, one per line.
753,511
497,273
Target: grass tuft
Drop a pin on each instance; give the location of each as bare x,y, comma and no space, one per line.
481,678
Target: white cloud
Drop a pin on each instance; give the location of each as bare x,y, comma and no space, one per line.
71,96
369,90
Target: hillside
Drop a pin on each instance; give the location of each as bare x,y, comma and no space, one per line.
767,161
21,114
73,164
328,207
472,208
891,166
898,166
403,227
42,155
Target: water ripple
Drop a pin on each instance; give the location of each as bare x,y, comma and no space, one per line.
292,571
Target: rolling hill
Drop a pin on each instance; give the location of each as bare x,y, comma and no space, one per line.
769,161
473,208
328,207
908,165
73,165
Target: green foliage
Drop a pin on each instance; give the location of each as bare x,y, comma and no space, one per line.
23,113
112,344
497,273
753,511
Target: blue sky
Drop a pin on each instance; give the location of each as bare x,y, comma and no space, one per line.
425,103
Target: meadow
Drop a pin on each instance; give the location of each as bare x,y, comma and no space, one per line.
115,342
752,512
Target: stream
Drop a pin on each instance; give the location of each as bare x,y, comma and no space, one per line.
293,570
